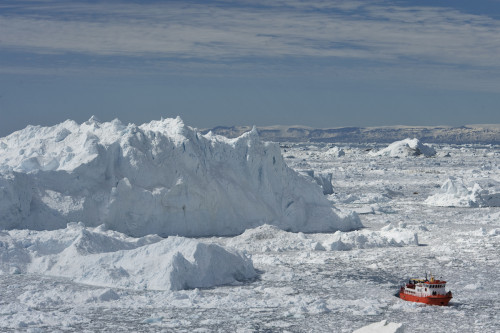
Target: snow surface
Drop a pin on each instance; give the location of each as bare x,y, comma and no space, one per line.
301,284
405,148
161,177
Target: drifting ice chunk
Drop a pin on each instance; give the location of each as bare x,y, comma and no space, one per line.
406,147
381,327
454,193
162,177
335,152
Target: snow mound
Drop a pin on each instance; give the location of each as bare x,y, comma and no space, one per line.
271,239
161,177
381,327
454,193
111,259
405,148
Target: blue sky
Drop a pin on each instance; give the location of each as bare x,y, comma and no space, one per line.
315,63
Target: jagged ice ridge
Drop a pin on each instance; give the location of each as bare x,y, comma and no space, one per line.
161,177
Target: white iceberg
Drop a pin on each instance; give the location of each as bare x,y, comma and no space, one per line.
454,193
334,152
381,327
405,148
161,177
111,259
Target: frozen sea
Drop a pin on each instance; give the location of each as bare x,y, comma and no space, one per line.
308,289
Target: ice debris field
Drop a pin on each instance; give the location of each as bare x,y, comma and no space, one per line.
113,227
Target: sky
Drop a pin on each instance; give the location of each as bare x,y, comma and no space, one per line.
316,63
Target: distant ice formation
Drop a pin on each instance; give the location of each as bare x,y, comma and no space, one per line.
107,258
406,147
335,152
161,177
454,193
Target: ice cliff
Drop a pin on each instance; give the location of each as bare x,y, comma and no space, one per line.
161,177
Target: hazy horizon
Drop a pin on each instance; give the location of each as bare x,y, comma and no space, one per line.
321,64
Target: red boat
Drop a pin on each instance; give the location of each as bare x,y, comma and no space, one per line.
426,291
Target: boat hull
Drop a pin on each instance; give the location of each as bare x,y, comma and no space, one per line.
441,300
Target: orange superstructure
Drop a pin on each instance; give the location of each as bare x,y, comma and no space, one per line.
431,291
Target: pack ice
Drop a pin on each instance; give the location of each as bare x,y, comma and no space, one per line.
161,177
406,147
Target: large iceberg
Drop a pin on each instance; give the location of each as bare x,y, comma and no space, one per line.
161,177
405,148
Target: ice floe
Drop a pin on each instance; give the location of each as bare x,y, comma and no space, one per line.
381,327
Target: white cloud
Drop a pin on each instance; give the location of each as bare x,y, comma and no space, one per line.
336,30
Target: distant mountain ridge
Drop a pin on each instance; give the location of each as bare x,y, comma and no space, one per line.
468,134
